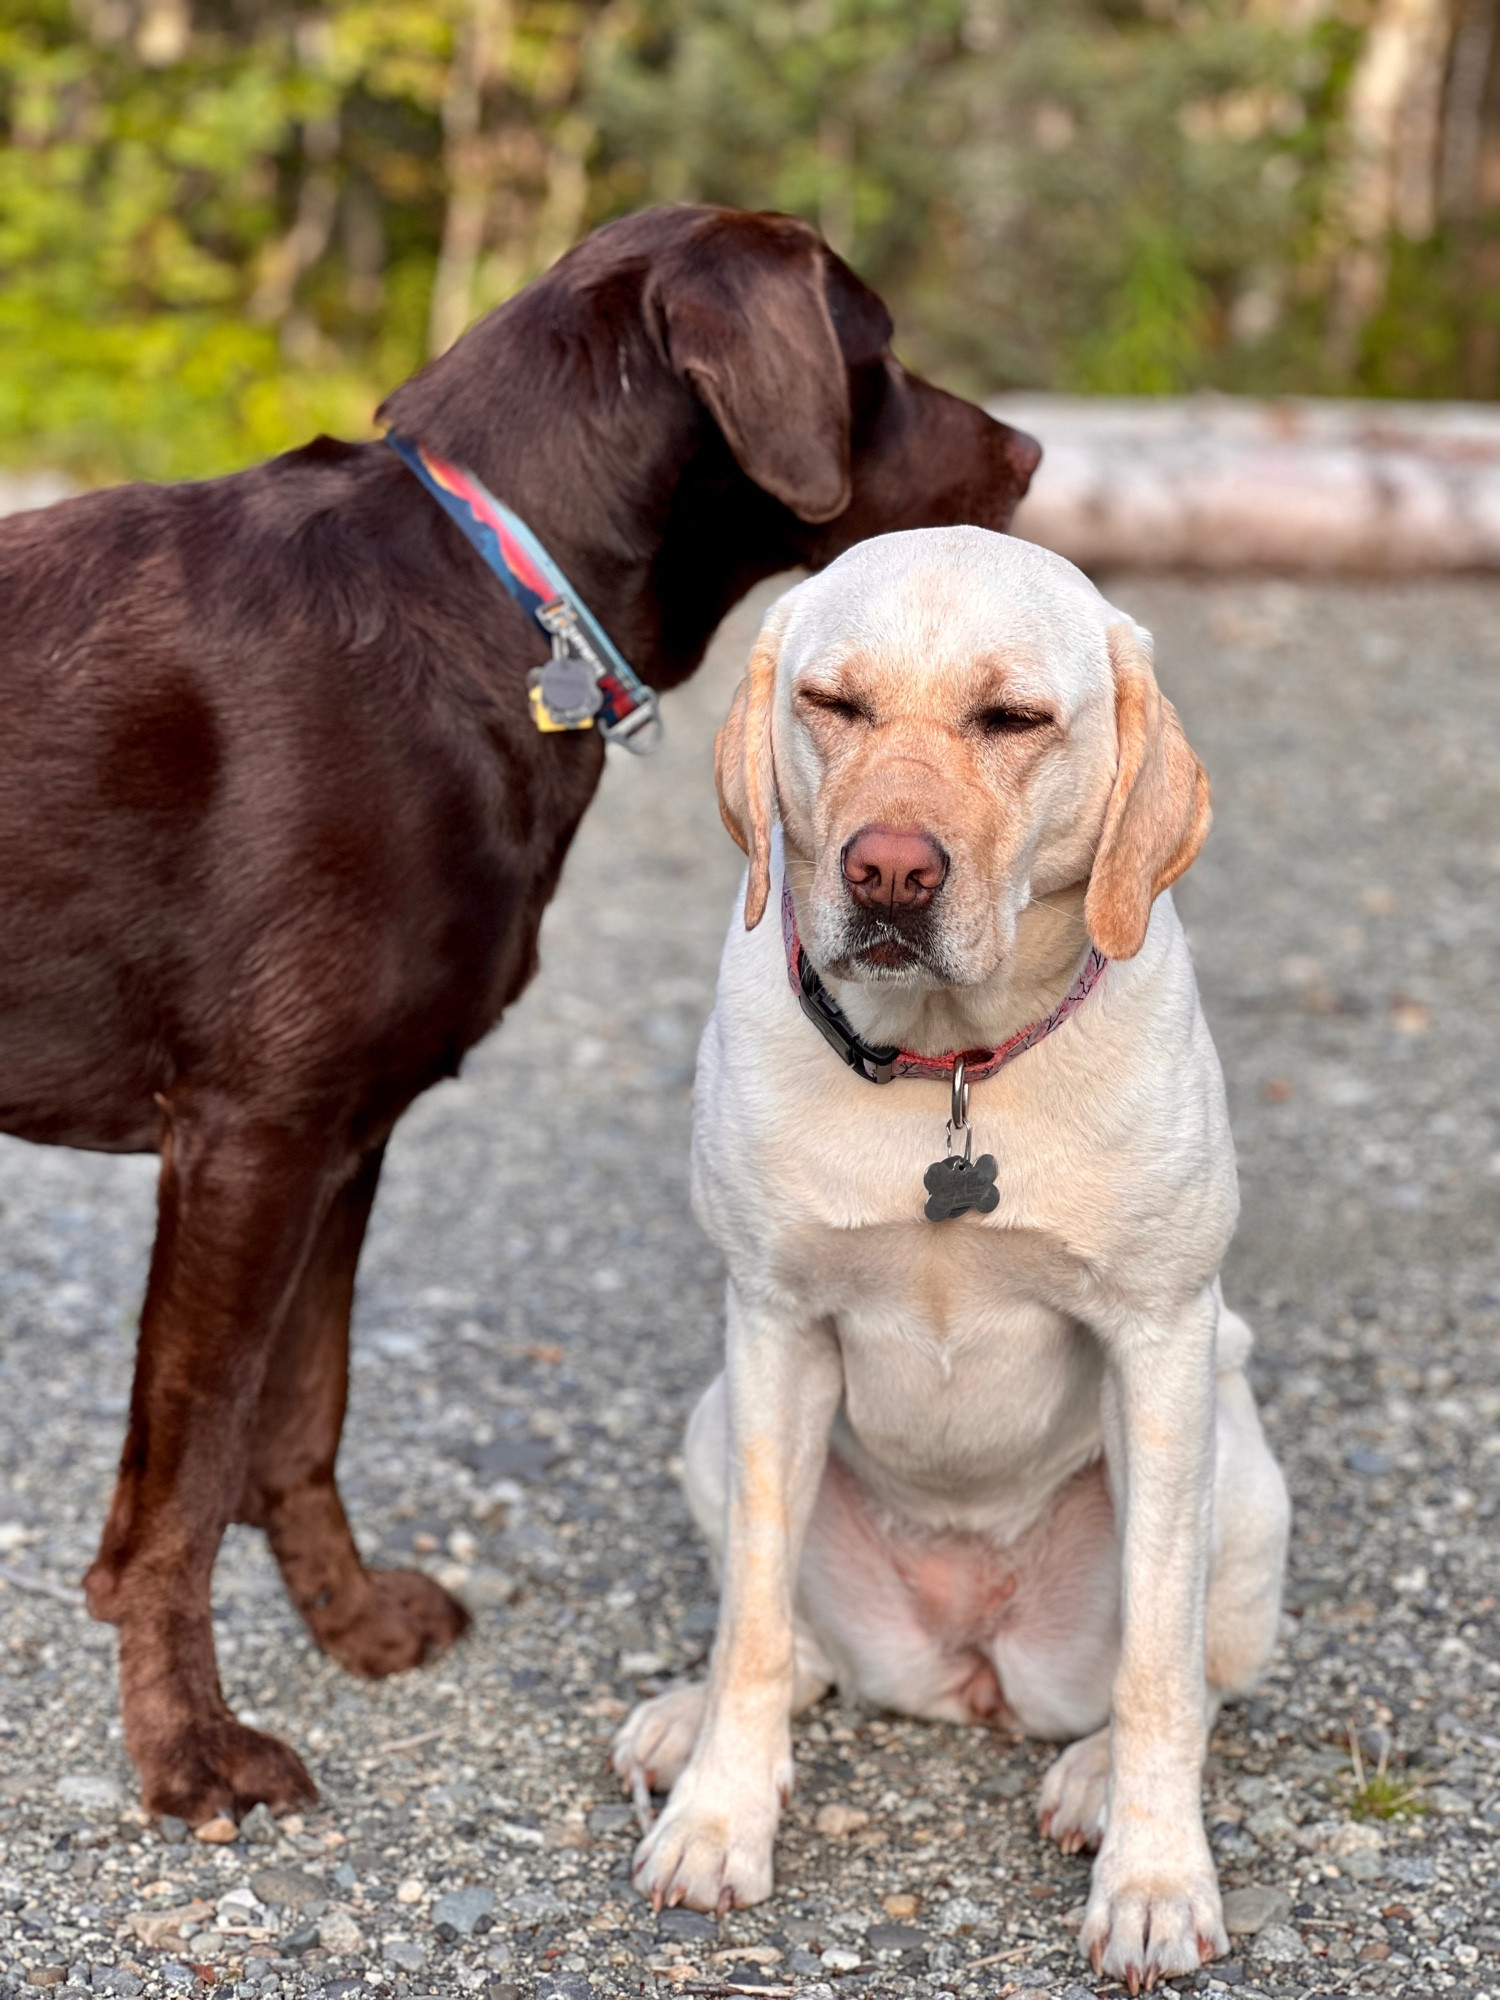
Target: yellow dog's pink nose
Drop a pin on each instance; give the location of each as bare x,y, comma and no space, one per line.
894,867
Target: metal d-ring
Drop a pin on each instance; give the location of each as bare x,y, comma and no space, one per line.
958,1111
958,1117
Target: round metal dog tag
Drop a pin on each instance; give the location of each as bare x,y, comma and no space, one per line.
570,691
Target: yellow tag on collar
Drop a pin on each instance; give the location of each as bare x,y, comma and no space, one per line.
547,722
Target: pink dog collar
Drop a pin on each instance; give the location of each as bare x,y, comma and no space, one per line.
881,1065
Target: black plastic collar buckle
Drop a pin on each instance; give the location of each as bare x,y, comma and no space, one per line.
875,1065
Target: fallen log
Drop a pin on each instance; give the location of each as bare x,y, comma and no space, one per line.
1233,483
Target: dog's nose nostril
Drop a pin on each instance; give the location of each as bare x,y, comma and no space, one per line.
894,867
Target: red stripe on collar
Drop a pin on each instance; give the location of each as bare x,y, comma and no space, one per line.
883,1065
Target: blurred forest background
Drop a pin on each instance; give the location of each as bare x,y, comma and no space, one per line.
227,223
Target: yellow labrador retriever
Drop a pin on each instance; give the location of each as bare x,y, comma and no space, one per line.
984,1446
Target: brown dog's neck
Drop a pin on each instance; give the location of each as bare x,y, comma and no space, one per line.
1050,944
563,405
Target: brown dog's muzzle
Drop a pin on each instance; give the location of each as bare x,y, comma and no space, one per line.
894,868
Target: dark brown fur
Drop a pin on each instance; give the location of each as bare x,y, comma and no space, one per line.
276,834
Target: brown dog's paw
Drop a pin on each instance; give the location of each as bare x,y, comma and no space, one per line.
219,1767
403,1620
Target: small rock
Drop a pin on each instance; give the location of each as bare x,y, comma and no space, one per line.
839,1960
412,1890
959,1913
177,1975
684,1926
288,1888
259,1826
897,1937
535,1906
1003,1785
558,1986
901,1907
610,1819
462,1908
173,1829
489,1589
1369,1462
1362,1867
1270,1825
46,1975
839,1820
1247,1911
1279,1944
295,1943
404,1953
217,1832
338,1932
641,1666
90,1792
115,1979
1356,1837
239,1907
1413,1871
1449,1801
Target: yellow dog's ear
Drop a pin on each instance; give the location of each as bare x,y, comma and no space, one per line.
744,768
1158,813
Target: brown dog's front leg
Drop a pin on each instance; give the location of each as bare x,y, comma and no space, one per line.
241,1200
373,1623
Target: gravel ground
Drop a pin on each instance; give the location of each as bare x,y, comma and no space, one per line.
537,1311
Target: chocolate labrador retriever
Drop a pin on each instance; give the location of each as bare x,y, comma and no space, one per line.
278,824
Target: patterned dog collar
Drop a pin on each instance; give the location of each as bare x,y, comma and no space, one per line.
882,1065
588,683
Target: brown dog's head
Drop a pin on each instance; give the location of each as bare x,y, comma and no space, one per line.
950,725
695,398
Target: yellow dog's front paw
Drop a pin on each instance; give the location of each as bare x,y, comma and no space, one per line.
1073,1806
1150,1920
710,1860
656,1740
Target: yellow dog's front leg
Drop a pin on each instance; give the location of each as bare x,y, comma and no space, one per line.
712,1846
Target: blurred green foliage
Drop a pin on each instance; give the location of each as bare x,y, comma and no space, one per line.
227,223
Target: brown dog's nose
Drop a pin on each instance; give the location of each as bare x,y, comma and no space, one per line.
894,867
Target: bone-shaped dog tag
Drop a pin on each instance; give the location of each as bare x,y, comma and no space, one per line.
955,1186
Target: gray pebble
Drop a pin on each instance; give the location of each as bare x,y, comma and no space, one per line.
1251,1909
288,1888
259,1827
1279,1944
896,1937
686,1926
463,1908
404,1953
91,1792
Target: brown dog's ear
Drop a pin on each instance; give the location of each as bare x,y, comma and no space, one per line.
1158,813
745,318
745,769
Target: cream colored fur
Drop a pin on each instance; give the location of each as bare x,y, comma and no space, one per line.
1027,1438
